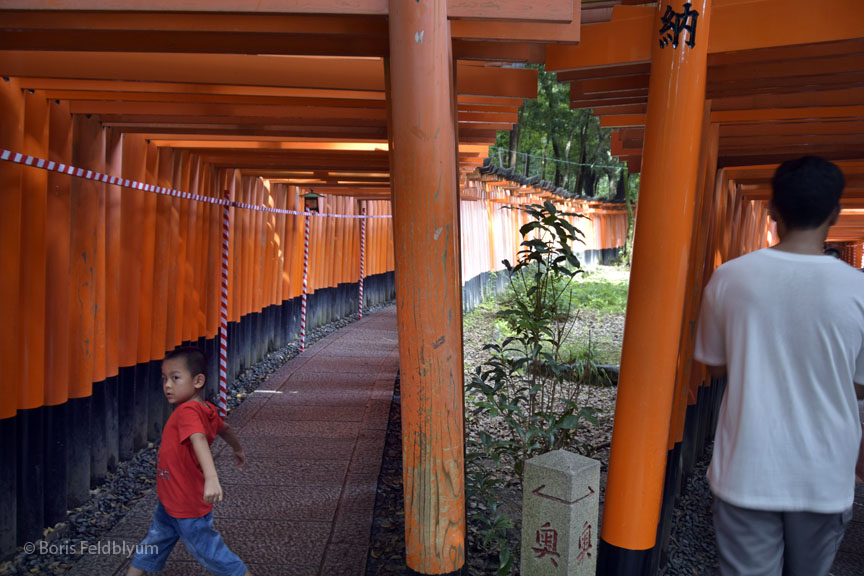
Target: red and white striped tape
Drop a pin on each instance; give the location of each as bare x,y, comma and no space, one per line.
305,285
223,312
36,162
362,257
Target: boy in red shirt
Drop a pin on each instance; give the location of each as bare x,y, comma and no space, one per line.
186,480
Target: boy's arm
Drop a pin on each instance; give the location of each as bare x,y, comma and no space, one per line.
212,488
228,435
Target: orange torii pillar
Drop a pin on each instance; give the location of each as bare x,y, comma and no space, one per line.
661,247
424,180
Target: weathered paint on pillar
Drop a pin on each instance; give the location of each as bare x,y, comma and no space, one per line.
425,226
11,135
658,277
33,254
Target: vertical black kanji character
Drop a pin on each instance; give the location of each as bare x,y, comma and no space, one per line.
674,23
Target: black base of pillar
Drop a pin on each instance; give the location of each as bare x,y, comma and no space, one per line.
126,411
112,422
31,474
671,490
8,486
78,450
98,434
689,455
140,410
155,400
211,350
55,462
615,561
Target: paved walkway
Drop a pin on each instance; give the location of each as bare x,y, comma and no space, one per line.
314,436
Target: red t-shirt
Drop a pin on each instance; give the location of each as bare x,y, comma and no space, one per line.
179,479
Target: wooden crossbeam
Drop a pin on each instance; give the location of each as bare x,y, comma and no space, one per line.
735,26
363,74
537,11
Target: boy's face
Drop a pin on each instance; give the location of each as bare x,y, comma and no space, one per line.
178,384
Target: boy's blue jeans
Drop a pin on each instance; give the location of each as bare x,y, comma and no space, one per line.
200,538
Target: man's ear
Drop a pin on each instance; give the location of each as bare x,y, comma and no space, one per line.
199,381
772,212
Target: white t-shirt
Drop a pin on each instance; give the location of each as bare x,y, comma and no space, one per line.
790,330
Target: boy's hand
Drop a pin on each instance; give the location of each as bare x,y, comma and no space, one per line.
239,458
212,490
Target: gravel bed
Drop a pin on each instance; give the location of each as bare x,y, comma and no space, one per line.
692,549
387,542
132,480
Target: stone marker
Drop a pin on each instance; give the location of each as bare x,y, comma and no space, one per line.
559,514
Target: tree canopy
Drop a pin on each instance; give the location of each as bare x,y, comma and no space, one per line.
564,146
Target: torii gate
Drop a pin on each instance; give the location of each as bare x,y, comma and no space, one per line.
212,78
693,87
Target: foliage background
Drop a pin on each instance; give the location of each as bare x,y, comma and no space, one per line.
566,147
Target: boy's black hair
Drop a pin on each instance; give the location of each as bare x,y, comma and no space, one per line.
196,360
806,191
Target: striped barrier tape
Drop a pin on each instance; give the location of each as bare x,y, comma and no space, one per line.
305,277
362,258
52,166
223,312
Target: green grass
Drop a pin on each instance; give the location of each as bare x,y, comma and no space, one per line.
601,295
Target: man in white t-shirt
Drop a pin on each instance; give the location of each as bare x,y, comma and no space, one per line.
786,326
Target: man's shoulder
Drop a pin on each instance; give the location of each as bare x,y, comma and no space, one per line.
741,265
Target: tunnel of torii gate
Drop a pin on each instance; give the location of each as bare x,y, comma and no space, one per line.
218,116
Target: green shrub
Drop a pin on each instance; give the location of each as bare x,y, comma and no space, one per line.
532,378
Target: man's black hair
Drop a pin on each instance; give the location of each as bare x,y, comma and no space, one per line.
806,191
196,361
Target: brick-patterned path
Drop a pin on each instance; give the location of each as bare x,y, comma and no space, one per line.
314,436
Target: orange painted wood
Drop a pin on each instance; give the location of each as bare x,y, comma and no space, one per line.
695,281
190,230
57,279
270,250
514,52
478,80
33,254
181,330
88,152
201,285
300,72
206,109
213,279
69,19
523,31
280,195
147,240
360,7
737,27
259,240
215,95
541,10
113,255
234,260
425,183
162,257
738,23
129,264
11,136
198,254
658,281
215,88
172,319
